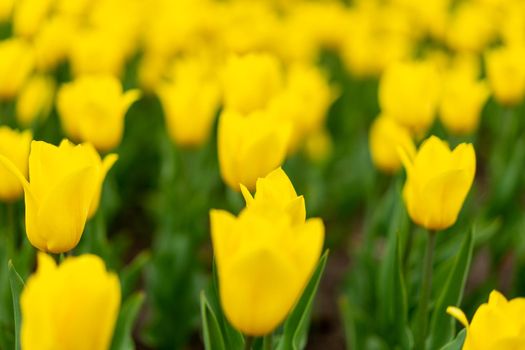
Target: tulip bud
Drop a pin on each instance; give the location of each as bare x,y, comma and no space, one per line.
265,256
14,146
250,147
35,100
63,193
92,109
16,64
71,306
438,181
506,74
498,324
386,136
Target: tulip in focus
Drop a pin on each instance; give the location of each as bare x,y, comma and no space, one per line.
250,147
14,146
265,256
438,181
63,192
35,100
409,93
92,109
506,74
498,324
386,137
71,306
16,64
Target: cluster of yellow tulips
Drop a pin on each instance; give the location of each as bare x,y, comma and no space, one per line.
124,122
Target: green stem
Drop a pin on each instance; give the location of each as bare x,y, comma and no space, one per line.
268,342
248,342
426,287
12,224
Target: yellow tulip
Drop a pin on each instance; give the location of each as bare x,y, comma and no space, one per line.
16,64
438,181
6,10
14,146
498,324
71,306
462,100
250,81
63,192
29,15
35,100
53,41
386,136
250,147
265,256
506,74
190,102
92,109
409,93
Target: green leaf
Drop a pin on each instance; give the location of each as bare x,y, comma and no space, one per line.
296,326
457,343
348,317
442,325
122,338
17,285
130,275
213,339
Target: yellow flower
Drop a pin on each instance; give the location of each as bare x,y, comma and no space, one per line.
71,306
250,147
16,64
92,109
53,41
35,100
498,324
63,193
462,100
14,146
319,146
409,93
265,256
386,137
250,81
506,73
29,15
190,102
6,9
438,181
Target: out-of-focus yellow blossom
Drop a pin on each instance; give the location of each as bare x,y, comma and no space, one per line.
190,101
35,100
250,147
471,27
512,25
75,8
93,108
265,256
151,71
498,324
63,193
29,15
304,101
409,93
71,306
430,16
16,64
506,73
386,138
319,146
438,181
6,10
53,41
14,146
250,81
462,100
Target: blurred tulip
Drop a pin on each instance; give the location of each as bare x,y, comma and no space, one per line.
64,191
386,137
190,102
35,99
250,147
506,74
6,10
438,181
319,146
53,41
93,108
16,64
29,15
14,146
71,306
250,81
409,93
265,256
498,324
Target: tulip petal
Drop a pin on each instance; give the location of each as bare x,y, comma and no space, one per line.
223,235
247,195
458,314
